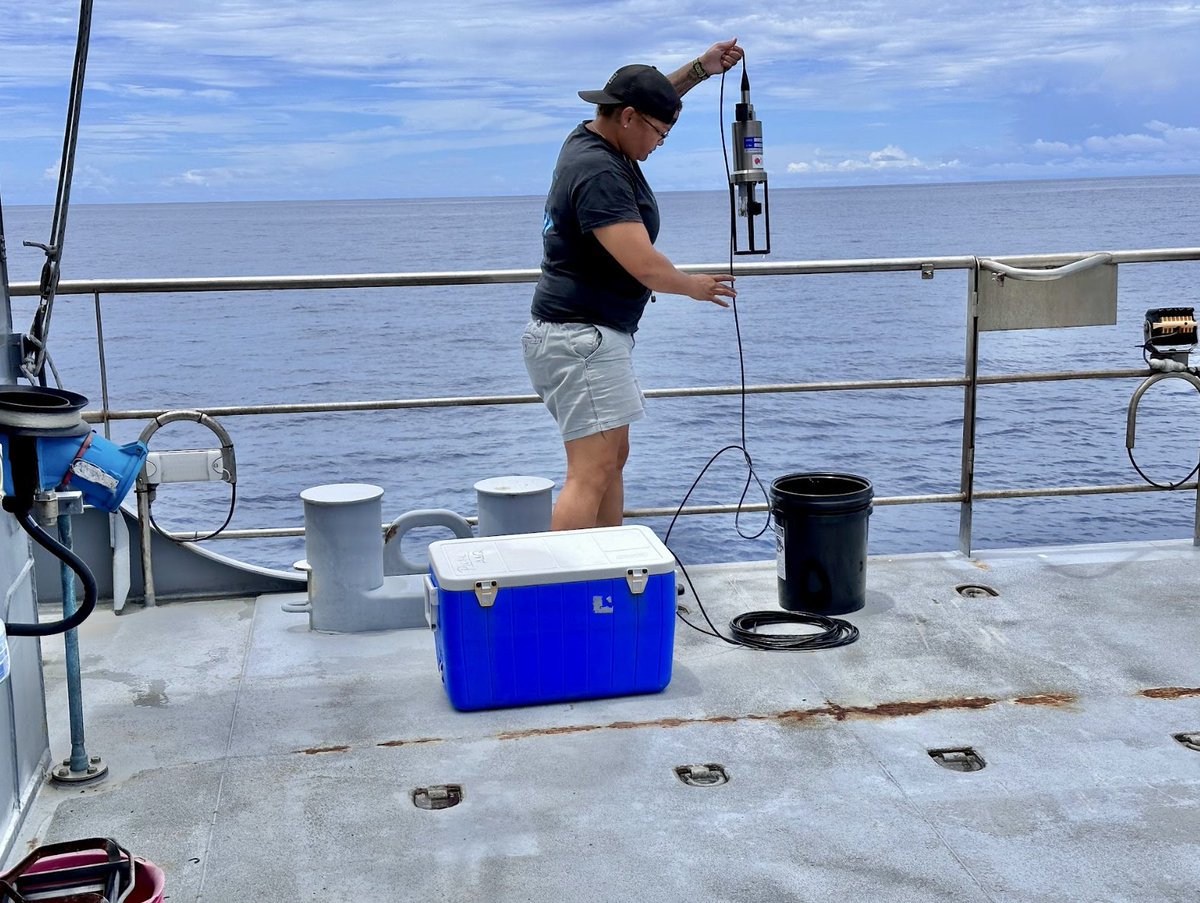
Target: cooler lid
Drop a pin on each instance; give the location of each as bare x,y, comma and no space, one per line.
534,559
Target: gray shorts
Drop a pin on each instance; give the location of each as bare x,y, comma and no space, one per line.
584,374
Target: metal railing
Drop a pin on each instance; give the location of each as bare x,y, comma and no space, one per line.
1040,267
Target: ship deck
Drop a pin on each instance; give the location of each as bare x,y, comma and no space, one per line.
253,759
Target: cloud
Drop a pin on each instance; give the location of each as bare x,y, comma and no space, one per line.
887,159
1053,148
1136,143
237,96
83,175
162,92
1160,141
196,178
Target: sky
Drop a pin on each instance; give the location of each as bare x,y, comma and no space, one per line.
229,100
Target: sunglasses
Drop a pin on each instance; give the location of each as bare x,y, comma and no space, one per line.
662,136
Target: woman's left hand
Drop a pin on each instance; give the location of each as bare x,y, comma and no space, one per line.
721,57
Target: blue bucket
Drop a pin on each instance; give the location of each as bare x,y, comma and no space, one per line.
103,471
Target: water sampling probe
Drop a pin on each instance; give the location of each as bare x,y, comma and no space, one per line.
747,175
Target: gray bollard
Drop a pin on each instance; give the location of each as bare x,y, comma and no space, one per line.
509,505
343,544
348,591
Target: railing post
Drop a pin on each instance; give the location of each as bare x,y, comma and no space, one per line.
966,480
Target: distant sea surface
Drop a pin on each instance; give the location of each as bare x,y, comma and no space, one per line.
219,349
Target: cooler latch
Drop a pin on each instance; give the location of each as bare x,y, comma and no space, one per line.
637,579
485,592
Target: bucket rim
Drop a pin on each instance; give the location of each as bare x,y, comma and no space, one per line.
861,481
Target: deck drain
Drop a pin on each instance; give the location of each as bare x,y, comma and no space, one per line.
975,591
710,775
439,796
1190,740
961,758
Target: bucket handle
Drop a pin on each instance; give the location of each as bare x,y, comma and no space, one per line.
116,874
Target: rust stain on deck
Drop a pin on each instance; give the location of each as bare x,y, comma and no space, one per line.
549,731
1170,692
903,709
831,710
1047,699
672,722
411,742
796,716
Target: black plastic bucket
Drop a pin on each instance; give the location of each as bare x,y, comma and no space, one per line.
821,541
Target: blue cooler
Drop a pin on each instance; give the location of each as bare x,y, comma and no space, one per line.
547,617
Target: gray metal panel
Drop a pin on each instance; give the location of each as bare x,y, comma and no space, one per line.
10,785
180,571
1086,298
24,744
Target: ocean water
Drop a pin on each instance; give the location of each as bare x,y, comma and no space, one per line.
217,349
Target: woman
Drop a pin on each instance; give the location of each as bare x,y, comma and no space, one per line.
598,270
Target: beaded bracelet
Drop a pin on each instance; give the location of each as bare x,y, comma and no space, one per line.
698,70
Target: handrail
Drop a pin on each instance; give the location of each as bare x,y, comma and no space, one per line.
759,507
457,401
1045,274
497,277
1035,267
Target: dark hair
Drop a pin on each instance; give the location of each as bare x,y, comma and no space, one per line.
607,110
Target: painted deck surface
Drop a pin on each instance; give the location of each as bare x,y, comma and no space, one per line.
253,759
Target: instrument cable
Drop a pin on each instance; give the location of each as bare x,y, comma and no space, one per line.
1146,349
834,632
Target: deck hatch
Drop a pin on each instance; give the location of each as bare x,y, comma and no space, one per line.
976,591
1190,739
437,796
962,758
709,775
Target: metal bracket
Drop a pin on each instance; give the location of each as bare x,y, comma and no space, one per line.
194,465
486,591
1083,293
95,769
50,504
637,578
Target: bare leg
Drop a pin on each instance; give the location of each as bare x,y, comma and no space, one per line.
593,483
612,506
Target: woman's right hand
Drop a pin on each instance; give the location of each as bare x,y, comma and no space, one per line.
712,288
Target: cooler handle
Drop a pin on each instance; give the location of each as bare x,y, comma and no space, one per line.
431,603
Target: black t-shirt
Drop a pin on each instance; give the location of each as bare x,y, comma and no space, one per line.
594,185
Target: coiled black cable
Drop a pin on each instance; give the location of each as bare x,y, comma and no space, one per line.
834,631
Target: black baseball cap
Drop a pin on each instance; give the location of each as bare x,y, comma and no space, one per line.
642,87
